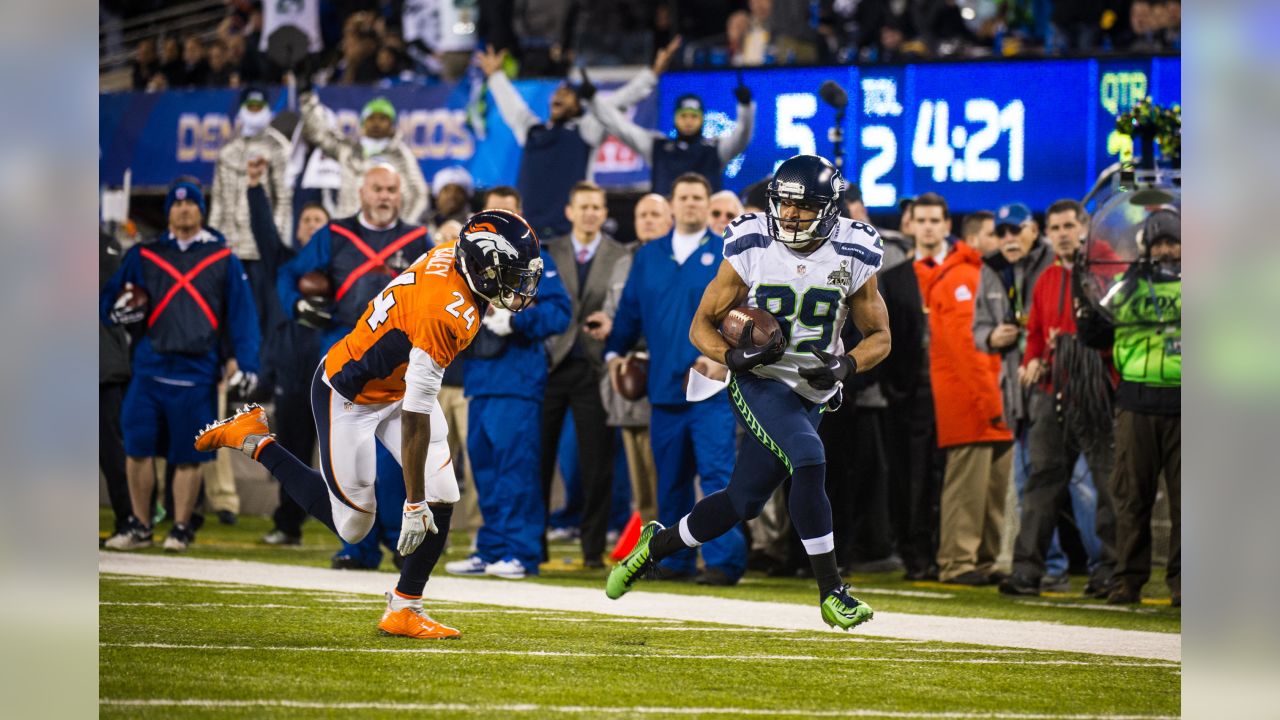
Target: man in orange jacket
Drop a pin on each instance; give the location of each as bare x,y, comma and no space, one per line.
966,396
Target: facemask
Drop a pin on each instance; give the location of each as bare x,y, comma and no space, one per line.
373,146
253,123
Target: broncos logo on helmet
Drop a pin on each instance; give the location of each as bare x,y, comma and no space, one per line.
500,257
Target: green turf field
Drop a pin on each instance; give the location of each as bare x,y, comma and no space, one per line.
181,649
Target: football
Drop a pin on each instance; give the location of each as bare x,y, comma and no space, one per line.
633,379
315,284
731,328
138,297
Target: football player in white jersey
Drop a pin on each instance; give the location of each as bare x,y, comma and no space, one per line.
809,268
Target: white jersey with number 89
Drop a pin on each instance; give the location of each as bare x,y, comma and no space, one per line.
807,293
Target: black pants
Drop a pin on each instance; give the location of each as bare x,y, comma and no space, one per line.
916,466
111,451
1146,446
295,430
857,483
575,385
1053,451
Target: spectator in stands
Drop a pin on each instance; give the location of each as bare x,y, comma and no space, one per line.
360,253
229,199
756,49
289,349
379,142
557,153
966,399
588,257
113,380
221,73
177,361
688,151
505,381
652,221
999,326
662,292
145,63
357,62
453,187
1145,337
171,65
1060,372
195,69
725,208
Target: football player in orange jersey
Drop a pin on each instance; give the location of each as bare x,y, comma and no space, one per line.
381,381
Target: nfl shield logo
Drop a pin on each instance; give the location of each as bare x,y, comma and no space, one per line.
800,269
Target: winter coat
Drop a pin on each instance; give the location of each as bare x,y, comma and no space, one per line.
350,156
229,208
966,391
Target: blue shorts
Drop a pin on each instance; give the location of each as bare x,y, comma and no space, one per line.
159,418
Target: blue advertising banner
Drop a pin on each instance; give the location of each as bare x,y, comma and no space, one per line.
979,133
160,136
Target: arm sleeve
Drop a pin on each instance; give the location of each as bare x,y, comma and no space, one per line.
741,135
282,191
415,185
263,227
242,317
130,270
422,381
315,256
636,89
626,322
316,129
1037,328
614,123
218,210
551,313
984,313
513,109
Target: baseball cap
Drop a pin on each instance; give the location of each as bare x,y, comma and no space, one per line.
689,103
1012,214
378,105
253,94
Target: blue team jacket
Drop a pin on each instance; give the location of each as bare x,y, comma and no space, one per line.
239,322
520,370
658,304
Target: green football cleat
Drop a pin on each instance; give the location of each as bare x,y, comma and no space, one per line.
625,573
842,610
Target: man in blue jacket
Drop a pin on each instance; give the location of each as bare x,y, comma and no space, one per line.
504,380
662,292
198,295
360,254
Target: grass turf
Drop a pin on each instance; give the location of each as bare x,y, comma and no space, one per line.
263,645
884,591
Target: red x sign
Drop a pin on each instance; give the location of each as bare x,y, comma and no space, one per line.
376,259
184,281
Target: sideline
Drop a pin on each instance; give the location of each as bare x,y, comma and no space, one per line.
1031,635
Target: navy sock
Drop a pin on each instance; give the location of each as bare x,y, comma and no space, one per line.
811,514
419,563
712,517
304,483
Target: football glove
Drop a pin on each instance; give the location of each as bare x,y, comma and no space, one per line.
587,89
122,314
746,355
314,312
834,369
742,94
417,522
498,321
245,384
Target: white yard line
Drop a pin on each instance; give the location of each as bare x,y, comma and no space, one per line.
612,711
1032,635
460,649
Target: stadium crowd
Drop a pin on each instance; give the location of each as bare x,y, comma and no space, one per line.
391,42
253,280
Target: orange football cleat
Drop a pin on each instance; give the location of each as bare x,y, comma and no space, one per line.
414,622
245,431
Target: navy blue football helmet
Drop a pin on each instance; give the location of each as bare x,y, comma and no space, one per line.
500,257
810,182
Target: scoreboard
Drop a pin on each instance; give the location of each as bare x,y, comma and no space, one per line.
981,133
